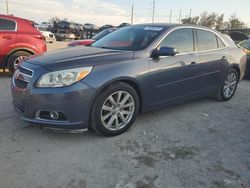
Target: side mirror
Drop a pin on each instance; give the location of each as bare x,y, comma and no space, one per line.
164,51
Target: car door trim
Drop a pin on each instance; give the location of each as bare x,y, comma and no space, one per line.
182,80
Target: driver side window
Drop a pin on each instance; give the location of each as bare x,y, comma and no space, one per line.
181,40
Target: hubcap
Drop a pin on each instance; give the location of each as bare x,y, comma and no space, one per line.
117,110
230,85
18,60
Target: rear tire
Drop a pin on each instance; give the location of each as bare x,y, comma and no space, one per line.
228,86
115,109
15,59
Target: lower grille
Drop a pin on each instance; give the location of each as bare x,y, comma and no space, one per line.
20,109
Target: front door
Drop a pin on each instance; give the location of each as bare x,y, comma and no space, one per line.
175,77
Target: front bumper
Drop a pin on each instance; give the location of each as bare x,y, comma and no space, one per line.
74,102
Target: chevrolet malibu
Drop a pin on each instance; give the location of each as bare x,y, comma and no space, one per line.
130,71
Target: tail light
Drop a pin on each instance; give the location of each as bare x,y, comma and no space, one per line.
39,37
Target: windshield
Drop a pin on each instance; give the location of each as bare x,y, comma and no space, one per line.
129,38
102,34
246,44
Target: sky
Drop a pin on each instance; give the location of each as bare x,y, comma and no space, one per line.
114,12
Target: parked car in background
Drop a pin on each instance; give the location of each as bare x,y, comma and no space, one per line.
106,27
65,25
46,25
246,46
123,25
88,26
18,39
64,35
238,36
132,70
49,36
98,36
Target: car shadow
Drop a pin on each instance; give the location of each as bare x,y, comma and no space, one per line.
5,74
90,135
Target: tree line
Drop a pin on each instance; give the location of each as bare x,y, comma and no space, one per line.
216,21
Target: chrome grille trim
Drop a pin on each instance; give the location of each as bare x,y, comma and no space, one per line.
19,76
32,72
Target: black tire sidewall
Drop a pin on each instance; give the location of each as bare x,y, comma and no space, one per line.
222,86
13,57
96,123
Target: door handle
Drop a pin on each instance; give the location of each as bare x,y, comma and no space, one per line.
224,58
7,37
193,63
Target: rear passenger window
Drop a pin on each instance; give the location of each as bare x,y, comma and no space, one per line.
7,25
206,40
220,43
181,40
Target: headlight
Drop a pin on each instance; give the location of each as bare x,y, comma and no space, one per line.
63,78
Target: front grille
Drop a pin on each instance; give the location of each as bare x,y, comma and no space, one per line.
21,84
25,71
22,77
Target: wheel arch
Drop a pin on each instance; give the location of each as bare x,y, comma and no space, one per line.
237,68
32,52
130,81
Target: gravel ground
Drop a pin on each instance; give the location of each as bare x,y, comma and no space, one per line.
204,143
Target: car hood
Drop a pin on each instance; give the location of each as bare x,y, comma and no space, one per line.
79,56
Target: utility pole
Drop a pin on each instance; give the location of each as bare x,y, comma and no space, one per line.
7,7
170,16
153,18
190,13
132,15
180,17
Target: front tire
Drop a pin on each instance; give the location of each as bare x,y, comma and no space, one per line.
228,86
16,59
115,110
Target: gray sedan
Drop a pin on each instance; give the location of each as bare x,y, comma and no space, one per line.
132,70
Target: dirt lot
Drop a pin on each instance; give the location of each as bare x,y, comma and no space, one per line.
204,143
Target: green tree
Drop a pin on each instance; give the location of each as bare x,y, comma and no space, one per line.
220,22
235,23
191,20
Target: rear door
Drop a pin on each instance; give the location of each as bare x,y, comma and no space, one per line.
8,30
214,55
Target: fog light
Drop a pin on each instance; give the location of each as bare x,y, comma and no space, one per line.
54,115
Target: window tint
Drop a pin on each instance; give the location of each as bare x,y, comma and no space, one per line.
130,38
220,43
7,25
206,40
181,40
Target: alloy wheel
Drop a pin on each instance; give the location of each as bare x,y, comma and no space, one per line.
18,60
117,110
230,85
